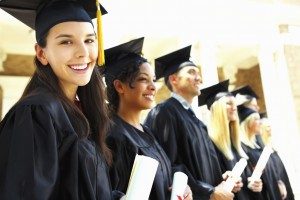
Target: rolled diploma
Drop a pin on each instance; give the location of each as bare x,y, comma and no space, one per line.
236,172
179,184
141,178
261,163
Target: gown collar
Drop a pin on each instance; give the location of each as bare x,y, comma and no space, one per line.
182,101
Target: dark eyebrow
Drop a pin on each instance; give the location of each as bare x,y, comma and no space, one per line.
142,73
70,36
63,35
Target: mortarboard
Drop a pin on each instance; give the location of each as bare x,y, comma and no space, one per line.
172,62
122,56
245,90
213,93
42,15
244,112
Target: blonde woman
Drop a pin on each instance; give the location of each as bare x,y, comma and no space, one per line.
250,126
224,132
266,134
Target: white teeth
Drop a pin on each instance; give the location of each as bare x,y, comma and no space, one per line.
79,67
149,96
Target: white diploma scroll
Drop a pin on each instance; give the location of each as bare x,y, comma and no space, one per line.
236,172
179,184
141,178
261,163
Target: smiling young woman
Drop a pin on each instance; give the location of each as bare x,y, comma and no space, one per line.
130,89
52,142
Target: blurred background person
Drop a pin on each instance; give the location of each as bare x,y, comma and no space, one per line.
266,135
224,131
182,135
250,127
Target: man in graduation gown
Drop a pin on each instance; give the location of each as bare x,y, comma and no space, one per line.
182,135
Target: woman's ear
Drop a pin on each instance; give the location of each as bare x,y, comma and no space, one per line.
40,54
119,86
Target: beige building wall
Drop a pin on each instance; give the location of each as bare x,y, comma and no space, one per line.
292,55
12,88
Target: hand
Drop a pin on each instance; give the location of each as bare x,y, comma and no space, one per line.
226,175
238,181
282,189
221,194
255,185
188,195
238,185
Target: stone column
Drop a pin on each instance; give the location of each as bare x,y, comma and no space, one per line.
206,51
280,105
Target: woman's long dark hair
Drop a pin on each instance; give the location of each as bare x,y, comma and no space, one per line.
127,75
92,120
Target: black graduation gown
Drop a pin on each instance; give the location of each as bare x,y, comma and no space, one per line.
269,177
185,140
126,141
280,169
41,156
227,165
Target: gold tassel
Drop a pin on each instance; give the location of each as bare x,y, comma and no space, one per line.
101,57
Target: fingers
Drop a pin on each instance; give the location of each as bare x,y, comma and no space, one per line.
188,195
226,175
255,185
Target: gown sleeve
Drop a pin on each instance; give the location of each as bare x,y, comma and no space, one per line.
28,154
123,158
283,175
164,126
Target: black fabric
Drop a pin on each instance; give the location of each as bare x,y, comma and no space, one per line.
281,171
126,141
43,158
122,57
185,140
227,165
269,177
244,112
245,90
172,62
213,93
41,15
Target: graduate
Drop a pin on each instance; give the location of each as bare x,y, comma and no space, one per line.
182,135
52,141
246,96
250,126
130,88
266,134
224,132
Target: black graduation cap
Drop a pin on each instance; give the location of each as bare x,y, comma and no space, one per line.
244,112
245,90
122,56
172,62
41,15
211,94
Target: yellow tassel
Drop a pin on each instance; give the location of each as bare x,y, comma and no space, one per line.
101,57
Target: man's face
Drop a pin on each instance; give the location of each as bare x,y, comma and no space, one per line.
188,81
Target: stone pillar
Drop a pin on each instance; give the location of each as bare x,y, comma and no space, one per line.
280,106
206,51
